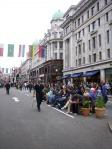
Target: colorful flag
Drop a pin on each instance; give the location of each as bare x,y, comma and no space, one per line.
21,51
1,49
10,50
42,52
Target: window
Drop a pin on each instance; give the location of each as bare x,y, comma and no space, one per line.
6,70
94,42
78,21
83,60
79,48
92,11
99,36
55,34
76,51
79,61
89,58
98,21
94,57
93,26
61,34
108,36
88,28
83,31
88,14
54,45
79,34
75,24
61,45
76,36
89,45
100,56
76,62
108,53
61,55
67,16
83,47
82,19
55,55
107,17
105,2
67,30
98,6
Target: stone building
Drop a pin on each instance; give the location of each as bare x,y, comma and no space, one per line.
87,41
24,75
48,66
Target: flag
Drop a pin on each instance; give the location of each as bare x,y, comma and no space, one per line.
10,50
21,51
29,54
33,50
42,52
1,49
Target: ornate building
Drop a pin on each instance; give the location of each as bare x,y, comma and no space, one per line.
87,41
48,66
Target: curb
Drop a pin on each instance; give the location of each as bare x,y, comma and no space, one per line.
110,125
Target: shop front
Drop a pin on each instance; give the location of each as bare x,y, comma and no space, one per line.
77,78
92,76
108,74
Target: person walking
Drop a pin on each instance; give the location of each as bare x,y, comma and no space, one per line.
7,86
38,90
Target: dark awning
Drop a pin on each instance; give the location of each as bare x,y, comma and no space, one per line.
90,73
76,75
66,76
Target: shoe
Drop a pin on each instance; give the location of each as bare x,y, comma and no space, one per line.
63,108
69,112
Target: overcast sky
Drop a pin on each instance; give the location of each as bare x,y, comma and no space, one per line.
24,21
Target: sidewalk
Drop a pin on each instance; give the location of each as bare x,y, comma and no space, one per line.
109,108
110,125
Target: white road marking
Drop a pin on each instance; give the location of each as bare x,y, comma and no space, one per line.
62,112
15,99
27,94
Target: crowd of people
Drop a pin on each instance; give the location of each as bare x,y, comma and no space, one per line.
65,95
70,96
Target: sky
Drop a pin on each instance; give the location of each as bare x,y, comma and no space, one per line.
24,21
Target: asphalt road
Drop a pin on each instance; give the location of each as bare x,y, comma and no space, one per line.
22,127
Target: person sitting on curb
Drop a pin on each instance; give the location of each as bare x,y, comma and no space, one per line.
73,99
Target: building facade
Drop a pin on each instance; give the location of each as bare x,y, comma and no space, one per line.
87,41
24,74
49,57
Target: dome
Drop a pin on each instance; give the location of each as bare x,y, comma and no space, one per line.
57,15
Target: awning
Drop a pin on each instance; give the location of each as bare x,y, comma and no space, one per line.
90,73
66,76
76,75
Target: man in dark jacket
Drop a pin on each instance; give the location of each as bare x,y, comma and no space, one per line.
7,86
38,90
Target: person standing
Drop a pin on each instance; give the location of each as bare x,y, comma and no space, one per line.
38,90
104,92
7,86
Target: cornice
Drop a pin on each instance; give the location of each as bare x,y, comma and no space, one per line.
88,65
69,19
84,7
